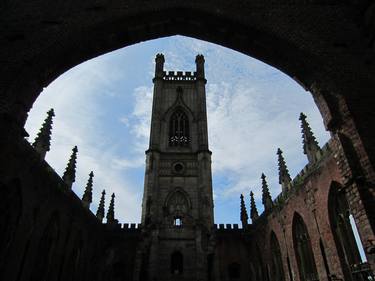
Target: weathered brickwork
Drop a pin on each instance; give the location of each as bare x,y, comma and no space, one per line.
326,46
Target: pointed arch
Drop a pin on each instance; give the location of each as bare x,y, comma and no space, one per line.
74,261
177,263
178,202
46,250
258,265
10,214
303,250
341,228
179,128
277,269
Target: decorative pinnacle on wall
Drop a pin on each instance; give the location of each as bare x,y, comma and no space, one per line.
284,176
310,144
266,196
199,61
159,65
243,215
111,211
253,208
42,141
70,172
100,211
87,195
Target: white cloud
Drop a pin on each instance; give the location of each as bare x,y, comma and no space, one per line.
252,109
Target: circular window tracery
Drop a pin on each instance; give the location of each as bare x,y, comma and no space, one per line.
178,168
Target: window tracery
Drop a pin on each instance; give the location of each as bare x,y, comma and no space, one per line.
303,250
179,134
178,204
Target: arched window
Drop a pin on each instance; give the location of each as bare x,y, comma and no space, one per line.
342,229
258,264
177,204
177,263
277,264
179,134
10,214
303,250
234,271
72,268
46,251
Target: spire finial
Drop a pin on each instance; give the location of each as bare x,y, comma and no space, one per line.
100,211
87,195
253,208
159,65
243,215
266,197
199,61
42,142
70,171
111,211
284,176
310,144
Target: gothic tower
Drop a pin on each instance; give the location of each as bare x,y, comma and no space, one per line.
177,207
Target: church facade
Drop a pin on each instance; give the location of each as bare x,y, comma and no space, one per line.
306,233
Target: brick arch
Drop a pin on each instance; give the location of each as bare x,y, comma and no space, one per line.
307,40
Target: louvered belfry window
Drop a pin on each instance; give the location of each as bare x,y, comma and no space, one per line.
179,129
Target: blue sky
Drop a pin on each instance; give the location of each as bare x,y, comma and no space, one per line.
104,106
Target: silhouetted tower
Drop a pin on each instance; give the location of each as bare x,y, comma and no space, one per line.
310,145
177,199
43,140
266,196
284,176
70,172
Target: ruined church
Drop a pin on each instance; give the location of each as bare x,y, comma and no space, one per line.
306,233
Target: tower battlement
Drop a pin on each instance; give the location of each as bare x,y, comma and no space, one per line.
179,75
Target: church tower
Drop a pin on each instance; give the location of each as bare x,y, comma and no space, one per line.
177,207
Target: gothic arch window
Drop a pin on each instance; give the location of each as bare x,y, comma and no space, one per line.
342,229
303,250
72,267
10,214
258,265
178,204
234,271
177,263
179,130
277,264
46,251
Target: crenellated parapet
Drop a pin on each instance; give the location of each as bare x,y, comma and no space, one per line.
227,227
179,76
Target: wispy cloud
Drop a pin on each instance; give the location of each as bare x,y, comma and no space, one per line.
105,108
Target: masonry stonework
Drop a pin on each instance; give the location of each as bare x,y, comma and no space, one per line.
306,233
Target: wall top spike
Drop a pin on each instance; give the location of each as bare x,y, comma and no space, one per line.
284,176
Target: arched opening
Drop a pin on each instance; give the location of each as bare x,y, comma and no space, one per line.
73,267
343,229
177,263
179,132
234,271
49,59
277,264
303,250
10,214
45,255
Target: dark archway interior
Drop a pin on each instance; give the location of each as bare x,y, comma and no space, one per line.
327,46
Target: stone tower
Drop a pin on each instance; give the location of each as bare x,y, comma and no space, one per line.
177,207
